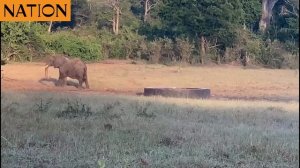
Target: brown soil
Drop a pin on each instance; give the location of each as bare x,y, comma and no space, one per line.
123,77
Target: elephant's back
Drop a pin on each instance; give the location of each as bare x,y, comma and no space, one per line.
74,68
78,64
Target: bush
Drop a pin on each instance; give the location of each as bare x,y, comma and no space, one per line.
154,49
267,53
184,49
20,41
125,45
168,54
75,110
86,48
160,50
113,46
166,51
274,56
15,32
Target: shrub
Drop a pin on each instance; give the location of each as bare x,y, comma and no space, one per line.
74,110
125,45
167,53
113,46
154,49
21,41
274,56
160,50
184,48
86,48
267,53
15,32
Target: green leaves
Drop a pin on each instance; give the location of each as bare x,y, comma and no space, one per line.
86,48
205,17
15,32
251,12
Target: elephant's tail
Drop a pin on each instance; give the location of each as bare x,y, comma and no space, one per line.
85,78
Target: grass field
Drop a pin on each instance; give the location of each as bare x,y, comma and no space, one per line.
42,129
110,126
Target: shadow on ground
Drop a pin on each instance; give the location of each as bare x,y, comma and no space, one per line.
140,93
54,81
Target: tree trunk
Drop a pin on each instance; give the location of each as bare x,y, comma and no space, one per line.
219,59
50,27
267,6
116,17
117,20
114,23
202,49
145,10
243,57
89,4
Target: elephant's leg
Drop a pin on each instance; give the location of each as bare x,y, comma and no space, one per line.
61,79
59,82
80,83
64,81
86,84
85,79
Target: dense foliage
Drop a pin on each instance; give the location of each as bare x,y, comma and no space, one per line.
163,31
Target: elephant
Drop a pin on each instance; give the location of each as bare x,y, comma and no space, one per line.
75,69
56,62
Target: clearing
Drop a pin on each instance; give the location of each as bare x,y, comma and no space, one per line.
121,77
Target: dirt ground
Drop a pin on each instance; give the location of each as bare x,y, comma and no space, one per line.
123,77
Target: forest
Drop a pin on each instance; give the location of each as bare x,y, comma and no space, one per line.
167,32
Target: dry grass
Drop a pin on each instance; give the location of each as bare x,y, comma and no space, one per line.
73,130
122,77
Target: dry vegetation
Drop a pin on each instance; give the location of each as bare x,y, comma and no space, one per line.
43,129
93,128
119,77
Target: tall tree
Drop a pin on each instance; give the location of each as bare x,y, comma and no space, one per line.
148,5
267,7
115,5
252,13
202,19
285,23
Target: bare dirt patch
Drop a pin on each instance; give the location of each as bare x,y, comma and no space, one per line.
123,77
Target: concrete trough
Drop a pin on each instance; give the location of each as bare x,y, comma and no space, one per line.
195,93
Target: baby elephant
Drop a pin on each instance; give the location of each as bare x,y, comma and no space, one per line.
75,69
56,62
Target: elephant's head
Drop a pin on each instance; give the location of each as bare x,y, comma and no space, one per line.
56,61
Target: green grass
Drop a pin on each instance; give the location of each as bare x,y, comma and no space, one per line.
68,130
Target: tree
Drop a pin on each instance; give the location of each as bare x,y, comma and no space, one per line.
267,6
148,5
285,23
115,5
252,13
50,27
203,20
80,14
